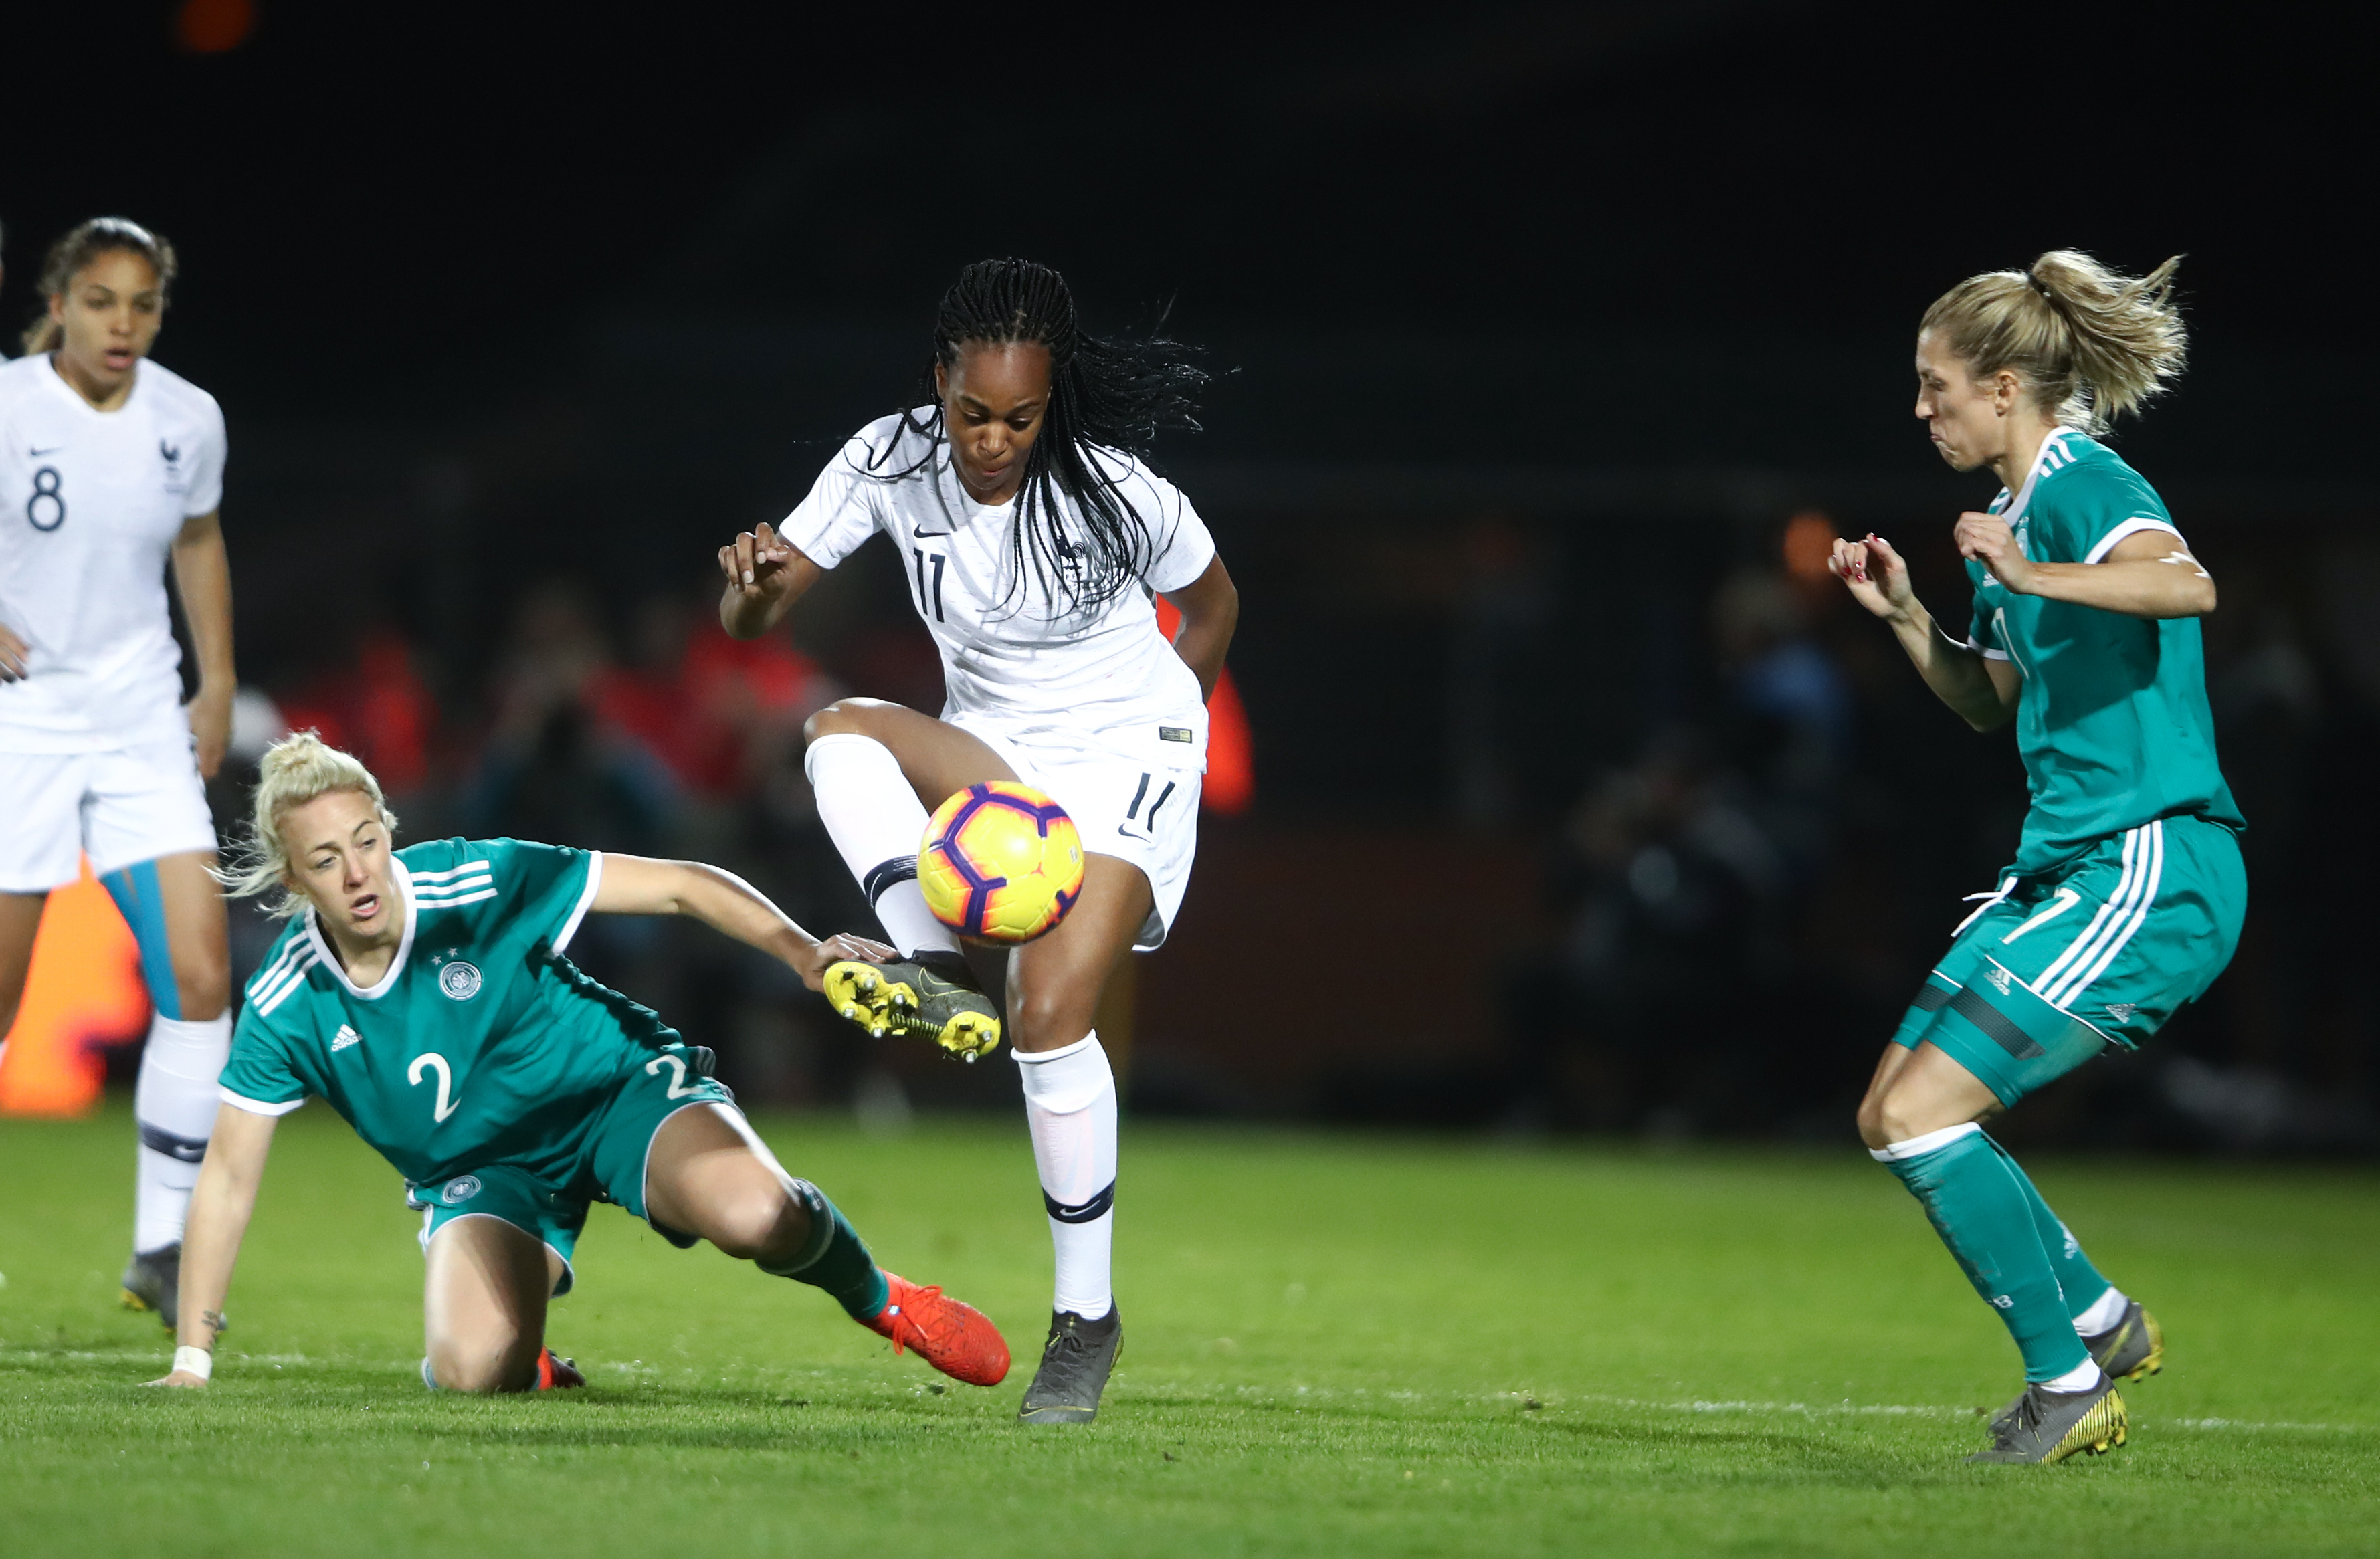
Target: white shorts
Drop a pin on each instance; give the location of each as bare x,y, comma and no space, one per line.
120,807
1132,810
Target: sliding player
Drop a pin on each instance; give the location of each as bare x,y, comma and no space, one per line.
424,993
2125,899
110,465
1035,539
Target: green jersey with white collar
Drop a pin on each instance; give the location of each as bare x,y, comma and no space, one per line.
2114,725
480,1045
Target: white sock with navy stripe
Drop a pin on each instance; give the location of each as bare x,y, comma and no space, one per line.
174,1106
1070,1102
876,821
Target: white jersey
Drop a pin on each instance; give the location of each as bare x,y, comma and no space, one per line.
91,502
1100,678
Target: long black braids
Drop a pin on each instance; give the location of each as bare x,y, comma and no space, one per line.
1107,397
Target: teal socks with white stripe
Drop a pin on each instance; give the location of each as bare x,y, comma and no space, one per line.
1983,1208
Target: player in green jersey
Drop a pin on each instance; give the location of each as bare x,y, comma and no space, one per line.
2125,898
424,994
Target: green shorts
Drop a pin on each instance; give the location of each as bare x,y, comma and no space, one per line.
2101,950
610,1165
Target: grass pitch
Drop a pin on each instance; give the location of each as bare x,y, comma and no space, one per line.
1335,1345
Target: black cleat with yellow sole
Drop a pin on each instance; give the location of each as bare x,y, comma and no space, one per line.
2132,1348
152,1280
936,1000
1075,1363
2049,1426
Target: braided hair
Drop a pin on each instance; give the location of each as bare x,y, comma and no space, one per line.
1107,398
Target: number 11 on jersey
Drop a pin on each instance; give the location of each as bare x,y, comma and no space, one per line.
924,557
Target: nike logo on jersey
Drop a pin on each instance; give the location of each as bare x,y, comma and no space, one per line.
345,1037
929,535
37,454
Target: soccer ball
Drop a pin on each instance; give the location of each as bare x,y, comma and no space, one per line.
1001,861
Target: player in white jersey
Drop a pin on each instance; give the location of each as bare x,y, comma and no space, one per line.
110,467
1035,540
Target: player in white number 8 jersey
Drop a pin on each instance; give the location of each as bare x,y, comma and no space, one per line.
111,464
1035,541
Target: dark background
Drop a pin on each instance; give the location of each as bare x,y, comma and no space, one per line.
1532,327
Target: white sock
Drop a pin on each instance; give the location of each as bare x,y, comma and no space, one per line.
876,821
174,1106
2103,1313
1070,1102
2082,1377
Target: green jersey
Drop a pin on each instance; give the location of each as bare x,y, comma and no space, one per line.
480,1045
2114,725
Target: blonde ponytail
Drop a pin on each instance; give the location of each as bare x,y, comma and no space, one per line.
2090,345
296,769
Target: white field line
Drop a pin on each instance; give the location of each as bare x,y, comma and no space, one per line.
1744,1407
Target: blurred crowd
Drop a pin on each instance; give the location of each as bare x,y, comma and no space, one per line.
1741,829
1733,914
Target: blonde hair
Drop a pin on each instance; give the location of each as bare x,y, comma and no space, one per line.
296,769
2089,344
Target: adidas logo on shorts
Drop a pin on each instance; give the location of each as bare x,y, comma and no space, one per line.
2122,1011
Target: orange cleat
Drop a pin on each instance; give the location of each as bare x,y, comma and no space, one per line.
557,1375
954,1338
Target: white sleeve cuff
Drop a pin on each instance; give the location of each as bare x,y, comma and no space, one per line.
1987,654
2133,526
260,1107
585,901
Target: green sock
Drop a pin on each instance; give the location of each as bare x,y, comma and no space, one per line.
1977,1205
835,1259
2077,1278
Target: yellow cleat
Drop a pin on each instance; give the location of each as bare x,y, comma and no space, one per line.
908,997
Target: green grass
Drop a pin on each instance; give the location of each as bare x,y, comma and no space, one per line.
1338,1345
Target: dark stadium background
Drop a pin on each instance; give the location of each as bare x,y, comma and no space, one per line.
1580,803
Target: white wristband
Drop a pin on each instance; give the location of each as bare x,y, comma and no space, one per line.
198,1361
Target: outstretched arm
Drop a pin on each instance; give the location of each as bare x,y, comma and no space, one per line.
219,1211
2149,573
633,884
1981,691
766,575
1209,605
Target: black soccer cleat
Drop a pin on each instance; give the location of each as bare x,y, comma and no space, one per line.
2049,1426
2133,1349
1075,1362
153,1281
936,1000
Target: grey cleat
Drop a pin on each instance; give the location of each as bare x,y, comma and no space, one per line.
1075,1362
2049,1426
2131,1348
936,1000
153,1281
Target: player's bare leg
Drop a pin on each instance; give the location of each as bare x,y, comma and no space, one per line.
863,751
710,1175
175,910
1054,985
20,921
483,1306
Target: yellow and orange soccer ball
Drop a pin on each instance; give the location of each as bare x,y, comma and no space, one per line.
1001,861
